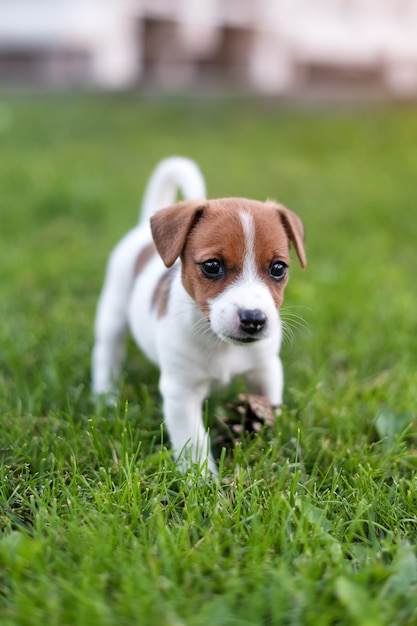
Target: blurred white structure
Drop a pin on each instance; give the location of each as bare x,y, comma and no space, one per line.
272,46
64,41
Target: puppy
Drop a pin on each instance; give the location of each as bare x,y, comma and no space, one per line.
199,284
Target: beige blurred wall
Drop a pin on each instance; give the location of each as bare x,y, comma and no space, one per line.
264,46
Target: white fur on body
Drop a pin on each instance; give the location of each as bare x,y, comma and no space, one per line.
192,353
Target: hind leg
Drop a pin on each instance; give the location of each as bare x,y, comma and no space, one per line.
109,347
111,323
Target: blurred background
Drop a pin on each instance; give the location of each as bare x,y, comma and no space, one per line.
366,48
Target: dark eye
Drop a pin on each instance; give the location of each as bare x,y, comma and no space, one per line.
278,270
212,268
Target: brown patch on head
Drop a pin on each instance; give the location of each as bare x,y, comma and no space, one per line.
217,235
220,234
171,226
294,229
160,296
202,230
144,256
271,244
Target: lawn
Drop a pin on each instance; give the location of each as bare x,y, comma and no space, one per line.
314,520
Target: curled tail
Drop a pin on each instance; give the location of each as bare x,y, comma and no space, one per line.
170,176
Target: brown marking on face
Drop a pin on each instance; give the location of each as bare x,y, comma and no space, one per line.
144,256
271,244
219,234
160,296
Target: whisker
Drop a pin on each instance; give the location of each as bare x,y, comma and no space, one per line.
292,323
287,333
296,323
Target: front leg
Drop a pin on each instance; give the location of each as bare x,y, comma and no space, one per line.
268,380
182,407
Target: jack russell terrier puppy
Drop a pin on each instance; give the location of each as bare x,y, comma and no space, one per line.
199,284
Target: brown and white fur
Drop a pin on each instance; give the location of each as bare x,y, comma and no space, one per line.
199,285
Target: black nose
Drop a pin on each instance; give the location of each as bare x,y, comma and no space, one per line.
252,320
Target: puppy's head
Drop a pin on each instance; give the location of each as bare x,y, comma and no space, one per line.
235,255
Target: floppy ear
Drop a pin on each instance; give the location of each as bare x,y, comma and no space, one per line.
295,232
171,226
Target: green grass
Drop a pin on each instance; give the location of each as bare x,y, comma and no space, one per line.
313,521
